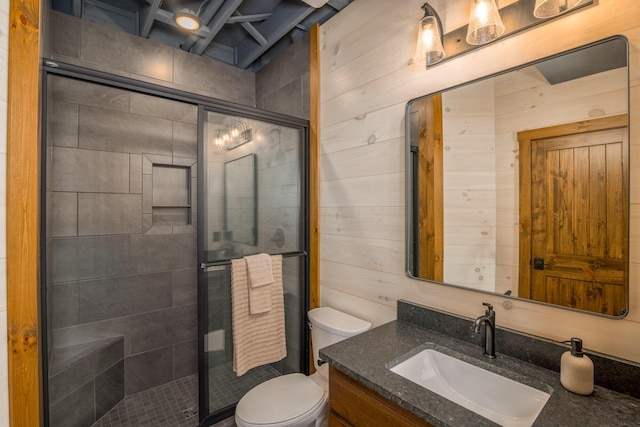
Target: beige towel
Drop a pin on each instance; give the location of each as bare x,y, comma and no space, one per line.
260,299
258,339
260,275
259,269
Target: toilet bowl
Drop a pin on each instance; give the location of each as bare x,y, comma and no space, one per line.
295,400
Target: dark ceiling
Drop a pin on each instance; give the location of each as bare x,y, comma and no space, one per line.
244,33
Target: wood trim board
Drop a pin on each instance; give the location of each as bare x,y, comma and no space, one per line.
314,174
23,190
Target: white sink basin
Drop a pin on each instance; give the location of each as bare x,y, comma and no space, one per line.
500,399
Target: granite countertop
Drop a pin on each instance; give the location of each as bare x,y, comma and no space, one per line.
366,358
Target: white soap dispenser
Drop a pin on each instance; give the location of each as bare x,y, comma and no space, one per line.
576,369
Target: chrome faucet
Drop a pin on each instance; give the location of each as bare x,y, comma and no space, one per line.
489,320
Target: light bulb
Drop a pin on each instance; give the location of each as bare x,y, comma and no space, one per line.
482,12
485,24
186,19
429,49
551,8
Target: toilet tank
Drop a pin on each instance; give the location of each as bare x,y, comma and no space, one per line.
329,326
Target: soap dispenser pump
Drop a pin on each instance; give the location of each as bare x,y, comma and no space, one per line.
576,369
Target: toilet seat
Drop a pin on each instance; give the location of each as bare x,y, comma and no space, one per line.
289,400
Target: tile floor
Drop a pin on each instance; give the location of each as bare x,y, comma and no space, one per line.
225,388
175,404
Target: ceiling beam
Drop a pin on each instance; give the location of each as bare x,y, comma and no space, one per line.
147,16
319,16
248,18
299,32
206,17
338,4
216,24
254,33
285,18
250,28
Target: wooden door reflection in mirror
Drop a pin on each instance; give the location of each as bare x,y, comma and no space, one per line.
574,215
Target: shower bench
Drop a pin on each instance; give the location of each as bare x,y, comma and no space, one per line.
85,381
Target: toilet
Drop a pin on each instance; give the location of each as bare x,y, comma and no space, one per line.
295,400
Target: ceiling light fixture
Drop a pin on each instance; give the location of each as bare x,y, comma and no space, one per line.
551,8
187,19
485,24
429,49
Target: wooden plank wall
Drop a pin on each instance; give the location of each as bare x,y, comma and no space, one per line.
22,213
367,78
470,186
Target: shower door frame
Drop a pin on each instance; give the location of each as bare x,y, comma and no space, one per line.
203,103
302,125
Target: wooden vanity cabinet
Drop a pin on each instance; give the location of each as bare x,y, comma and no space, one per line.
352,404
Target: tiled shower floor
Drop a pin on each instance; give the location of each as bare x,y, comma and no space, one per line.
225,388
159,406
175,404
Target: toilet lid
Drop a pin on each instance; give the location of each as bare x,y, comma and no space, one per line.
280,399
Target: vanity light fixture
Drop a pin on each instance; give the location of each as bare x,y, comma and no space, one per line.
430,36
219,141
485,24
187,19
235,133
551,8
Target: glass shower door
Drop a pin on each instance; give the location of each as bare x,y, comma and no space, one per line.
252,201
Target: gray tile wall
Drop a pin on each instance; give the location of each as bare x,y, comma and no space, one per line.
90,45
49,220
113,273
283,84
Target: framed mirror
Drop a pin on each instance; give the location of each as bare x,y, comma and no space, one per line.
240,204
518,183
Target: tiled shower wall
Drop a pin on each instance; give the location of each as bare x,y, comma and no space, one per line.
80,42
283,84
113,273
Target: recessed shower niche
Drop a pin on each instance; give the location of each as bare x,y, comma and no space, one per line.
171,196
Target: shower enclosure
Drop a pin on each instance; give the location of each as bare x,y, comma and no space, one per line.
148,193
254,198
